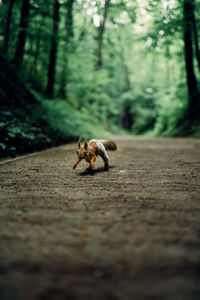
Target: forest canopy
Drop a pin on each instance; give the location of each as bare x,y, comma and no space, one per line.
97,66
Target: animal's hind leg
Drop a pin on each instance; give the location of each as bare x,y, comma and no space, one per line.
105,158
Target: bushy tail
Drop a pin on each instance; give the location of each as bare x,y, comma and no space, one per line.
109,145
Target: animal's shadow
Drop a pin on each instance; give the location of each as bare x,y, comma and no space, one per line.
95,171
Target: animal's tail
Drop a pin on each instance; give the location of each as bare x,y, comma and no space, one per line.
109,145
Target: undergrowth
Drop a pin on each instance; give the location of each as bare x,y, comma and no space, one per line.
29,122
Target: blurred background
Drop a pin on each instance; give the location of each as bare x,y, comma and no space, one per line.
95,68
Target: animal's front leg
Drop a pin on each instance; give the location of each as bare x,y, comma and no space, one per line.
76,163
92,161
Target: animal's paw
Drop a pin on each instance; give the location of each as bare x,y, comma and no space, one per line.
89,169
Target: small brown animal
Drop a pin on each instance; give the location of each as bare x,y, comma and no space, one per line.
90,150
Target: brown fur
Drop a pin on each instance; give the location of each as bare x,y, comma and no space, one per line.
109,145
90,150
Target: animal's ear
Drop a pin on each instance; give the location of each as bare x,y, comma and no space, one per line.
79,142
86,144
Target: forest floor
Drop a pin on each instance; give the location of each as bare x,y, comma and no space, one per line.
132,232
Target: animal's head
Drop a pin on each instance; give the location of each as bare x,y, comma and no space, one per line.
82,149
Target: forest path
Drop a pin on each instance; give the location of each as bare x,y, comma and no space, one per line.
130,233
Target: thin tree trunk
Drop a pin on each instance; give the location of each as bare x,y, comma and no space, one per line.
67,48
69,19
100,36
53,51
167,61
7,27
127,81
23,26
193,105
37,44
196,41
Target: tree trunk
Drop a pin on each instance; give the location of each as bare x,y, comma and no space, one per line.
53,51
193,105
37,43
23,26
67,48
127,82
7,27
196,42
69,19
100,36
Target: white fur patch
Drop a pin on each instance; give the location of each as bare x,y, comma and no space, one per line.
100,146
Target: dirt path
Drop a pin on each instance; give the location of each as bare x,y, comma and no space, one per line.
130,233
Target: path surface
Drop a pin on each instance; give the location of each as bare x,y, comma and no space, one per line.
130,233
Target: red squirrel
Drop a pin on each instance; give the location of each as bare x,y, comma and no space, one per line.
90,150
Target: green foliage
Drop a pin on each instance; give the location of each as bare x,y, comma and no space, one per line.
65,119
169,111
140,86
